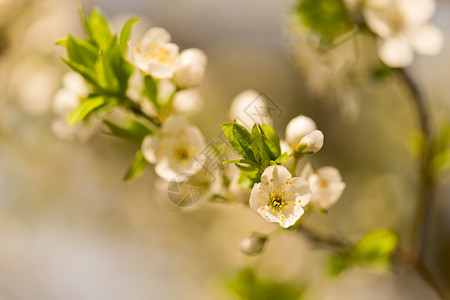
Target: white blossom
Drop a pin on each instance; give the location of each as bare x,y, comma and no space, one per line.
326,187
402,26
67,99
176,152
297,128
253,244
155,54
190,68
279,197
311,142
248,108
187,102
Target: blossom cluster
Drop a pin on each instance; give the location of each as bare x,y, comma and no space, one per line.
145,92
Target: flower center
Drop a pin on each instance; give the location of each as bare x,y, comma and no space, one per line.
160,54
182,153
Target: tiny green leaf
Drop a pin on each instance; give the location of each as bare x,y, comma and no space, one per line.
99,29
137,166
80,51
283,158
272,136
133,130
87,73
84,109
240,139
125,34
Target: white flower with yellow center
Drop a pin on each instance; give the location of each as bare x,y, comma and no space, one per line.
177,152
279,197
402,26
326,187
155,55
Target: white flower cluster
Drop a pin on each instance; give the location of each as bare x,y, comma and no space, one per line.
403,27
280,197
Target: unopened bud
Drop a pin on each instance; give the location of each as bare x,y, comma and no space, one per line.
253,244
311,143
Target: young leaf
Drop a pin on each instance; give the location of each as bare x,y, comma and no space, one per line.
258,147
87,73
283,158
125,34
151,91
84,109
80,51
137,166
99,29
240,139
106,77
272,136
133,130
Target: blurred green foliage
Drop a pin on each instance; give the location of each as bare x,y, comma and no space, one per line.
374,249
328,18
248,286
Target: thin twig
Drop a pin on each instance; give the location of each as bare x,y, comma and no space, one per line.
415,255
323,241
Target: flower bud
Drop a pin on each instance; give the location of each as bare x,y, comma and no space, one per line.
311,143
253,244
297,128
248,108
190,68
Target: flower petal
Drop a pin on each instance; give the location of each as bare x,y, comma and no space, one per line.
426,39
416,11
151,148
155,35
396,51
300,190
190,68
297,128
279,174
155,69
256,196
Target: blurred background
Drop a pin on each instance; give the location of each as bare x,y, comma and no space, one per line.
70,228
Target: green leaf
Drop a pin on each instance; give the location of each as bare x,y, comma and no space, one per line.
151,91
248,286
106,78
376,247
80,51
121,68
440,151
240,139
258,147
133,130
84,109
272,136
87,73
99,30
249,176
137,166
328,18
125,34
283,158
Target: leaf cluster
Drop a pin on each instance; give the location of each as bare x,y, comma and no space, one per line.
259,149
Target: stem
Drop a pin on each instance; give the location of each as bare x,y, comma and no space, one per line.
322,241
415,255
